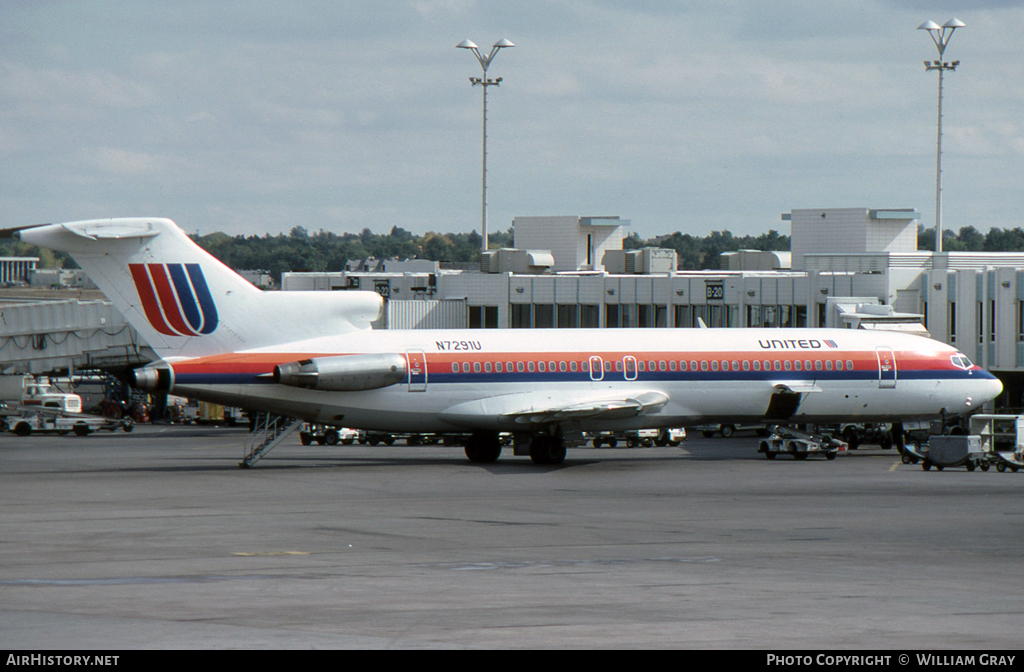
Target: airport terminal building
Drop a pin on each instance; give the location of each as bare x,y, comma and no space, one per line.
856,268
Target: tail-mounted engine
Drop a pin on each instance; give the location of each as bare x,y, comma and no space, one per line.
344,373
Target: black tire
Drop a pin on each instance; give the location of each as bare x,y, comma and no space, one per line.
23,429
483,448
331,437
547,450
727,431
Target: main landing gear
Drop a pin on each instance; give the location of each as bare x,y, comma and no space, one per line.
485,448
547,449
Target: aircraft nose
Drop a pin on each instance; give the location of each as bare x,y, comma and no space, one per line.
995,388
985,390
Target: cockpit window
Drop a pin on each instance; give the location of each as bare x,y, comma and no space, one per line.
960,360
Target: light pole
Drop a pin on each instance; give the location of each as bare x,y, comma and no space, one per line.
484,82
940,36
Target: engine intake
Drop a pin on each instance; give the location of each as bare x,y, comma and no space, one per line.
344,373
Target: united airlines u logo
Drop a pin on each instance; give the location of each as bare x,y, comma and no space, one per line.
175,298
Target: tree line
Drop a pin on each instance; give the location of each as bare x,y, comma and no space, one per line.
300,250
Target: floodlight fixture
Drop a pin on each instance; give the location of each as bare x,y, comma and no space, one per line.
484,82
940,36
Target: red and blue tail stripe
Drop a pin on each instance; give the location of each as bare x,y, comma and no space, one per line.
175,298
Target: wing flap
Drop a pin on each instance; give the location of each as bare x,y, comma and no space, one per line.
539,408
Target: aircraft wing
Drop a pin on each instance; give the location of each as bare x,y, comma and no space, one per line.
797,386
542,408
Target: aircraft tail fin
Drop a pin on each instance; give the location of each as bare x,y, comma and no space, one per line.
186,303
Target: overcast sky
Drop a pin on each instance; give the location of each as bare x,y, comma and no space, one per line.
252,116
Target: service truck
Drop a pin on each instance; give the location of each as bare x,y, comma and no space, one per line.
31,404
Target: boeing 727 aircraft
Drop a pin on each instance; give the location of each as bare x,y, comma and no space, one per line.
313,356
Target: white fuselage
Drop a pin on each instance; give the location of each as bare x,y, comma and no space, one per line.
461,380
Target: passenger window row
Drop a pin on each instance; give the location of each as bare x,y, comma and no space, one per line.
642,366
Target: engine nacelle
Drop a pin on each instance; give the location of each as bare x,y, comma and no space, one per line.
151,379
344,373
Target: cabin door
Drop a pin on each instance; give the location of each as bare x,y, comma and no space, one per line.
417,361
886,367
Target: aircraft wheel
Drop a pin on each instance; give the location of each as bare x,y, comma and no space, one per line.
547,450
483,448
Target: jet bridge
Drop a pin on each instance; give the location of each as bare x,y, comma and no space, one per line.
42,336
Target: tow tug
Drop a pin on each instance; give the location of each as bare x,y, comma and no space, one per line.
800,444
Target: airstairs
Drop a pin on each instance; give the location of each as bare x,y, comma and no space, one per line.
268,432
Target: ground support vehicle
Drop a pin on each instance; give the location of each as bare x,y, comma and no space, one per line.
727,430
326,435
1002,439
856,435
943,451
42,421
413,439
639,437
799,444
